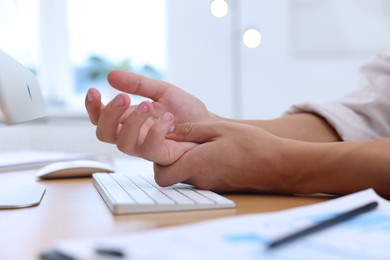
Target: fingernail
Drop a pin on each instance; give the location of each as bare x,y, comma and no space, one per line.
119,101
89,97
143,108
167,117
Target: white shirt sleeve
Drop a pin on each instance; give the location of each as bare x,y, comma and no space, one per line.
363,113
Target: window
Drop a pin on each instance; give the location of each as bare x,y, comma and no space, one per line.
18,30
72,45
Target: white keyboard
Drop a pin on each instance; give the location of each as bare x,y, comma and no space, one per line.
129,193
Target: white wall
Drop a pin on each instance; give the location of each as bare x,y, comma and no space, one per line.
199,53
274,75
294,63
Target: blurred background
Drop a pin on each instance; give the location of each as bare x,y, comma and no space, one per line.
244,59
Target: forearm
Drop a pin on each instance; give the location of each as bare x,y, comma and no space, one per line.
337,168
304,126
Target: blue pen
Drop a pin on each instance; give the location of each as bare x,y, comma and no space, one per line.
323,225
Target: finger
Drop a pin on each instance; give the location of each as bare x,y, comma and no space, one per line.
154,146
126,114
178,172
170,175
196,132
93,105
160,150
193,168
130,136
109,120
136,84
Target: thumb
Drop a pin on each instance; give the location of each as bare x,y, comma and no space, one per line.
194,132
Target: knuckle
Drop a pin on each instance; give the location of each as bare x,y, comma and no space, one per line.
137,82
127,147
100,135
186,129
123,148
93,120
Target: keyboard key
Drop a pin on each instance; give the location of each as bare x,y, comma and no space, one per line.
196,196
177,196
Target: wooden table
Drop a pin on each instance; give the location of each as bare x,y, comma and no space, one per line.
72,208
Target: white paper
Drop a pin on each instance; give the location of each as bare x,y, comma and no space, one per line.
245,237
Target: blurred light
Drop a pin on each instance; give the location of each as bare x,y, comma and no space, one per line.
219,8
252,38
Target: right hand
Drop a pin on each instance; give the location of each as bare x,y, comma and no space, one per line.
229,157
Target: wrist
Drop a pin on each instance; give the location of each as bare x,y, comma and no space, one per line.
276,170
315,168
291,166
299,167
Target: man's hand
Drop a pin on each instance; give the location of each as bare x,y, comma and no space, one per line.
238,157
229,157
140,130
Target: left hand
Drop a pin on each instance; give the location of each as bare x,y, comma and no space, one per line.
132,127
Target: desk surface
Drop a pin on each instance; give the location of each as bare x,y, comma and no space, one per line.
72,208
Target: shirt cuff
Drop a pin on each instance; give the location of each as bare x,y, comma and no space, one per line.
348,125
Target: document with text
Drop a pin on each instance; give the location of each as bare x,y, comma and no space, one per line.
366,236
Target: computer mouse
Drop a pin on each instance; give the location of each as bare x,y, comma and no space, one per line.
72,169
